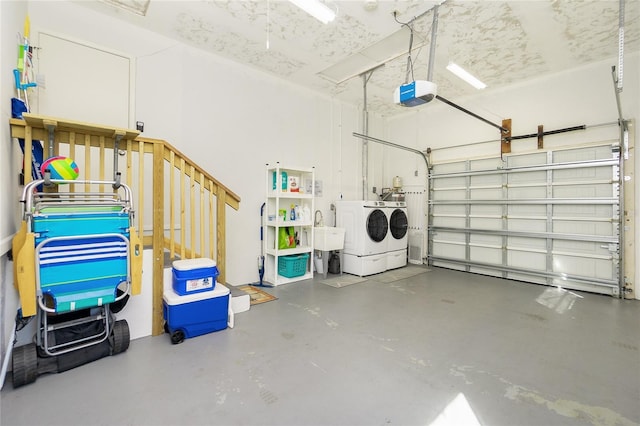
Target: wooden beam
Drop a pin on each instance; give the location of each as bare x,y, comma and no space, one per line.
42,121
220,227
505,145
28,145
540,136
158,239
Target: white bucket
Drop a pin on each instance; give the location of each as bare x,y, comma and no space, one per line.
317,262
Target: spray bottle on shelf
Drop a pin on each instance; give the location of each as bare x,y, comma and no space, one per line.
293,212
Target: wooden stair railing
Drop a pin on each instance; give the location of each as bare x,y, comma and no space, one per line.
182,193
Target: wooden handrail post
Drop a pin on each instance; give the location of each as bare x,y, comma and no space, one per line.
158,238
28,158
220,236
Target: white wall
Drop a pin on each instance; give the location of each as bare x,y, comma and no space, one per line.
11,21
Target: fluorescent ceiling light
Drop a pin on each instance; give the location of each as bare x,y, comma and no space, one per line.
466,76
316,9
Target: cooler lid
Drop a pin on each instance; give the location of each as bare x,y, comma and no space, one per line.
189,264
173,298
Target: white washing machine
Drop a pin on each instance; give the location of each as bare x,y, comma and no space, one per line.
366,227
398,236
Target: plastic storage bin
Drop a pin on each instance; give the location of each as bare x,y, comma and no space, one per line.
195,314
194,275
294,265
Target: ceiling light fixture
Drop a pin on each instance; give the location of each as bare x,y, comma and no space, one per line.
466,76
318,10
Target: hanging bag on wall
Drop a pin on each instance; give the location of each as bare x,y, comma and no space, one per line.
286,238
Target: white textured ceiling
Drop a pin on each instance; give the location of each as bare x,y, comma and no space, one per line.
501,42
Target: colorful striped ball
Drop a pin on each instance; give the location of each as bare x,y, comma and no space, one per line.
61,168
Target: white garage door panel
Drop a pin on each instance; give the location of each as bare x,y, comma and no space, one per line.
598,268
452,194
528,192
583,227
546,217
487,180
582,191
528,178
581,248
450,250
484,163
527,159
594,212
494,241
515,211
524,244
528,225
449,222
484,254
484,193
532,261
485,223
583,154
485,210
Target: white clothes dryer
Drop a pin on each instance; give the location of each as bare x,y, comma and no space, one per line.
398,237
366,226
366,234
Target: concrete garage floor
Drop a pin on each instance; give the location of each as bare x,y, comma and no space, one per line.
441,347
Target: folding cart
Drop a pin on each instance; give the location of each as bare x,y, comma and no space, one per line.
77,255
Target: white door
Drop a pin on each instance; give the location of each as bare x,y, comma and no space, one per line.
82,83
548,217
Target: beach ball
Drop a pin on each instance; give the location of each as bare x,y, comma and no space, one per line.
61,168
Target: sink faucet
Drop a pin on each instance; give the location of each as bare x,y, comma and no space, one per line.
320,221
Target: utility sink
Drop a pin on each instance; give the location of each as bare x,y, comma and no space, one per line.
327,238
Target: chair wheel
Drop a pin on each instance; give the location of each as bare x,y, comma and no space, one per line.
25,365
177,337
120,337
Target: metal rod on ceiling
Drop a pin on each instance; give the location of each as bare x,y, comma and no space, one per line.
547,133
466,111
432,48
395,145
620,46
365,129
621,121
590,126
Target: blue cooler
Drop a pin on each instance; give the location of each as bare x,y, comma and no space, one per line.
194,275
195,314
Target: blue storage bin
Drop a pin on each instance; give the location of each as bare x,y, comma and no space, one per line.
294,265
196,314
194,275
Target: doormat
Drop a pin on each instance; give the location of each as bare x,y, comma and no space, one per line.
257,296
343,280
399,274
